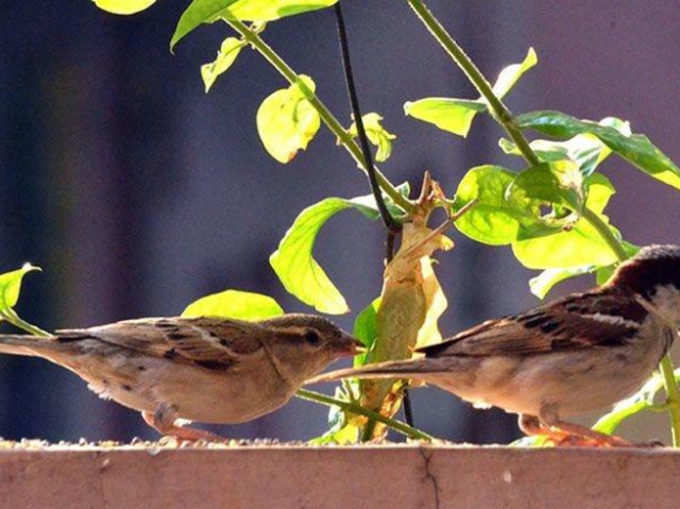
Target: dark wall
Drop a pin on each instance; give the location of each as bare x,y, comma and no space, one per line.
137,192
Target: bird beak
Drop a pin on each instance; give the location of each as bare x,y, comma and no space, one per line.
355,346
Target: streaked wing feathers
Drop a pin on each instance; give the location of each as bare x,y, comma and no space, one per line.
599,317
210,342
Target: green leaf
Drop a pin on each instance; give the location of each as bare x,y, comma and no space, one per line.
366,329
234,304
293,263
367,206
343,427
635,148
543,283
209,11
558,183
270,10
577,246
123,6
10,285
198,12
512,73
456,115
494,219
642,400
586,150
287,122
376,134
226,56
453,115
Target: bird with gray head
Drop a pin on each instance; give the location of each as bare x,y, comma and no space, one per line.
576,354
211,370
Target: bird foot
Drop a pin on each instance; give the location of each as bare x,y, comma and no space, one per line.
164,422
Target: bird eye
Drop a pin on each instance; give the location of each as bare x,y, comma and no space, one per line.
312,337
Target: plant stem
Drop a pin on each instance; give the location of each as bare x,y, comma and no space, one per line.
12,317
672,398
326,116
496,107
605,233
399,426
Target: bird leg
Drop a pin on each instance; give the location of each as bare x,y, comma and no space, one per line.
163,420
566,433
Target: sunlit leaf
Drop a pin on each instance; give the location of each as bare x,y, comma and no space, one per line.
209,11
540,285
123,6
343,427
586,150
512,73
234,304
453,115
367,206
558,183
376,134
366,329
198,12
456,115
287,122
642,400
270,10
495,220
635,148
293,263
10,285
226,56
579,245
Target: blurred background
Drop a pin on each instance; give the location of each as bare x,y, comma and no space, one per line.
138,193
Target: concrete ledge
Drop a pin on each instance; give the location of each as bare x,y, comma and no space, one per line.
391,476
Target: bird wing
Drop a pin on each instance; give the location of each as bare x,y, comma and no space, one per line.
208,342
596,318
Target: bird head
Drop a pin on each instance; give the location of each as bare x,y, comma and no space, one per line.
652,268
304,344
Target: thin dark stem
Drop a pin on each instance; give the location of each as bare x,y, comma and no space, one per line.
254,39
390,223
389,246
408,409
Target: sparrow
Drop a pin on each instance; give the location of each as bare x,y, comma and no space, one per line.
573,355
211,370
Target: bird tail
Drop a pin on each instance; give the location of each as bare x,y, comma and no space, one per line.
22,344
410,368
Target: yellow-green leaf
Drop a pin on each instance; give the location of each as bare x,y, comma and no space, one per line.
287,122
10,285
295,266
376,134
123,6
270,10
456,115
509,75
226,56
635,148
234,304
199,11
453,115
577,246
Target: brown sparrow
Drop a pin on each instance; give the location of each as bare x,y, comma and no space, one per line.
212,370
573,355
